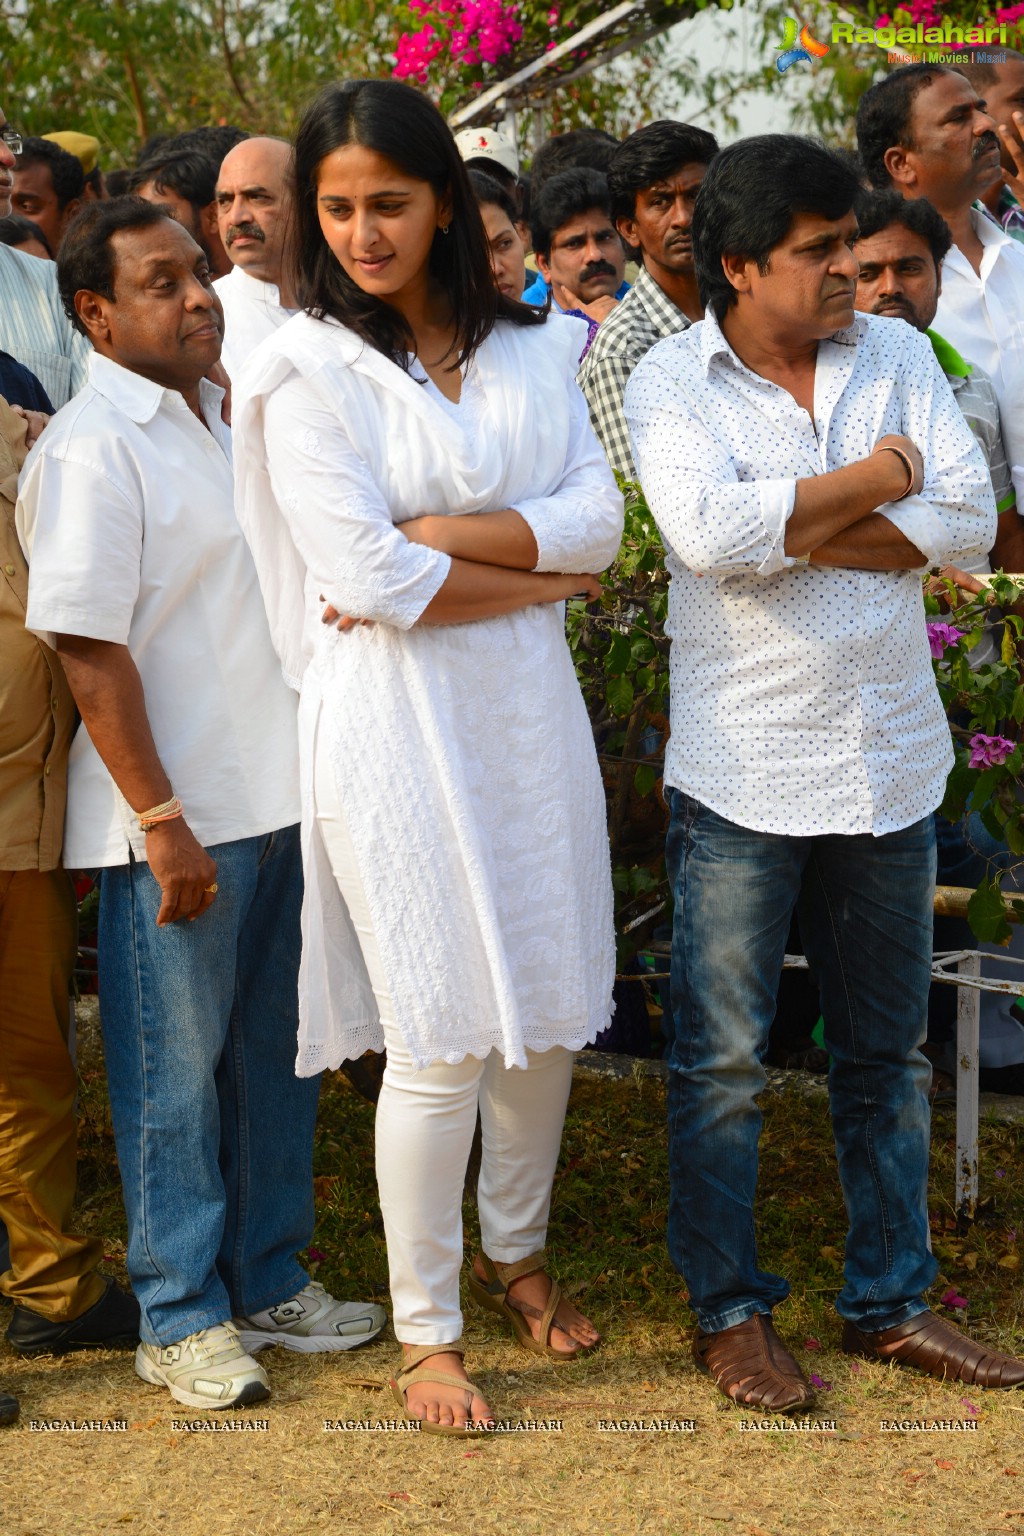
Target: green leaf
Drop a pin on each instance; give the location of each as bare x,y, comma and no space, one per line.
958,787
985,787
645,779
618,656
620,695
986,913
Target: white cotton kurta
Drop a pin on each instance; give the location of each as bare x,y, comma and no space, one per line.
462,754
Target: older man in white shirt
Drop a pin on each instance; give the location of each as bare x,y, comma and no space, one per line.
183,789
803,465
253,216
924,131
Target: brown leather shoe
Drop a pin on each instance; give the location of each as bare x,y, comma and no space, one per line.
930,1344
752,1366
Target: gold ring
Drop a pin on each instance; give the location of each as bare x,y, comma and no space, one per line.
211,890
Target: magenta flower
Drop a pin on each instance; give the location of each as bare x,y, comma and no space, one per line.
812,1343
314,1255
989,751
822,1386
971,1409
953,1299
941,636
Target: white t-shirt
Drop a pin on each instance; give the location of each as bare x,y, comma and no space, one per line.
126,514
252,310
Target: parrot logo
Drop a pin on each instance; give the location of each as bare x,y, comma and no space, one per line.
797,43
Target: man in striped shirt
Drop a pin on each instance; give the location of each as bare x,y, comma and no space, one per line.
33,326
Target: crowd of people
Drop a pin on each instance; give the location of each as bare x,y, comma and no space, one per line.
301,462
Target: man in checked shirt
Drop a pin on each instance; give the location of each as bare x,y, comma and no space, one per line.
804,465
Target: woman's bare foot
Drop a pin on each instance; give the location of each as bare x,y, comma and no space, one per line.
529,1295
445,1405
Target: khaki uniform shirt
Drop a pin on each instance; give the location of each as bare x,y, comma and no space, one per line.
37,714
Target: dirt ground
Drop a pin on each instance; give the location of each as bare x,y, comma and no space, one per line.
295,1477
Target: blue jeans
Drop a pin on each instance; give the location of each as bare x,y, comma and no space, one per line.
214,1131
865,910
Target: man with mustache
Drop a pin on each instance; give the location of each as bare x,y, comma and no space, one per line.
183,790
579,254
901,246
653,180
923,130
253,216
803,464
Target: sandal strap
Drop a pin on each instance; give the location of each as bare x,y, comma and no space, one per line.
421,1373
425,1351
547,1321
506,1273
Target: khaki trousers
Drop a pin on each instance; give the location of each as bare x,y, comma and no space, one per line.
52,1271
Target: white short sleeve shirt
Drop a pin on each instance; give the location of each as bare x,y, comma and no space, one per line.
126,514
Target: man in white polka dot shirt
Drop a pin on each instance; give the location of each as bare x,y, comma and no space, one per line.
804,465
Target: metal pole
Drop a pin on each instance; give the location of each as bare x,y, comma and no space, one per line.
968,1034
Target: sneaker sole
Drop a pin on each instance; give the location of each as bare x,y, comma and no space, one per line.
251,1392
254,1340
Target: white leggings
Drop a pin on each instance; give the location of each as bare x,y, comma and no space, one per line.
425,1125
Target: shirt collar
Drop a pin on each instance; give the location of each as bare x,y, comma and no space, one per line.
255,287
713,343
664,312
140,398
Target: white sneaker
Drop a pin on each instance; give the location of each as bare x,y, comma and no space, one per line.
208,1369
312,1322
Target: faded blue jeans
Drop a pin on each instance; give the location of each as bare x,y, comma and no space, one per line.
865,910
214,1131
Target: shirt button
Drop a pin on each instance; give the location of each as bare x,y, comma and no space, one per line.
55,702
9,570
46,770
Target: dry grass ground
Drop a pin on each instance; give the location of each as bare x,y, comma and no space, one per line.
296,1477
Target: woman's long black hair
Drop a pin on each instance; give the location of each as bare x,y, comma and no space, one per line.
396,121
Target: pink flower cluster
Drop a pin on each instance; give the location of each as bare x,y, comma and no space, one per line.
941,636
989,751
930,15
474,32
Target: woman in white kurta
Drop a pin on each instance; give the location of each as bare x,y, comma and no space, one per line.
412,452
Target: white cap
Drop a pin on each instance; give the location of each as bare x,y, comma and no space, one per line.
488,144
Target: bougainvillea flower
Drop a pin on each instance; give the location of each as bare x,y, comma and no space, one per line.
989,751
941,636
953,1299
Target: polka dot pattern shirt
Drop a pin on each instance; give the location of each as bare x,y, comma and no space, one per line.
802,697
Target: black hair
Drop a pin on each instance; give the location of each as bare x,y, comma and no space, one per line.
15,229
213,141
188,172
86,257
884,112
589,148
564,197
747,200
486,189
982,75
117,182
653,153
65,169
488,167
399,123
525,195
877,210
